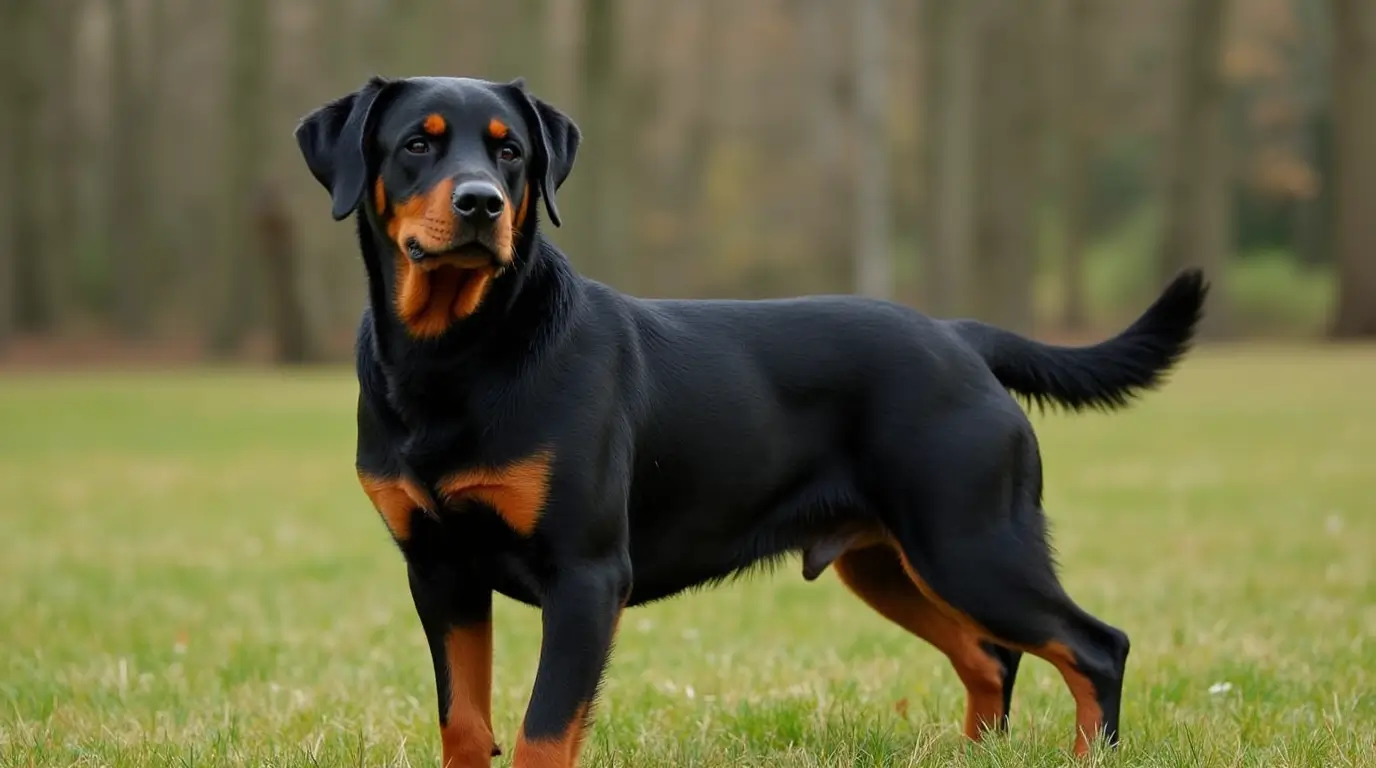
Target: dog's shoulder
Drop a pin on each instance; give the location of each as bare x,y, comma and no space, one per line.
372,380
375,417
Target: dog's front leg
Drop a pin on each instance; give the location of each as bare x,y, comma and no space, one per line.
580,613
456,614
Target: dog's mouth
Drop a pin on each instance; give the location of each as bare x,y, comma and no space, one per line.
473,255
437,287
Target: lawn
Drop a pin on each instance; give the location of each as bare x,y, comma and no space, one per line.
189,575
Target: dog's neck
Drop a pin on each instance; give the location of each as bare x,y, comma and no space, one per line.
516,319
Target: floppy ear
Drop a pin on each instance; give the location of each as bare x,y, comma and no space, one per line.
556,139
332,139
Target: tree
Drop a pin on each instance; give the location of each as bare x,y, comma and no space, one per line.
1074,112
128,178
246,119
522,44
59,116
1197,194
32,306
1354,163
832,227
275,245
605,148
949,128
1008,135
688,32
8,197
873,270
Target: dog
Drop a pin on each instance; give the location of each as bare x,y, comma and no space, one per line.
527,431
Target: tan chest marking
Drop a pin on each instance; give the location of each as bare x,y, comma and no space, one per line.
395,499
517,491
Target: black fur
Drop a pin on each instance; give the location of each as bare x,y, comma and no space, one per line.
1107,375
332,142
691,440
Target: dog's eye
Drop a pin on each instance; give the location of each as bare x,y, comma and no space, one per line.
509,153
417,145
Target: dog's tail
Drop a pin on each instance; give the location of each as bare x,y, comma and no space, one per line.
1104,376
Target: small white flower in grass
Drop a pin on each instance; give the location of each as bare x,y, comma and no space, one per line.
1334,524
1218,689
689,692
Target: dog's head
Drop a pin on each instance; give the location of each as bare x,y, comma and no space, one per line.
446,168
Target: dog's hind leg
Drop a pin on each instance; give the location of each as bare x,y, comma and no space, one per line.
876,575
1002,587
961,496
1010,658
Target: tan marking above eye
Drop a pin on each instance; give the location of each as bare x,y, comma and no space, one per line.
434,125
497,129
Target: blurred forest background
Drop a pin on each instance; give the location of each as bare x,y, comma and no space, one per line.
1042,164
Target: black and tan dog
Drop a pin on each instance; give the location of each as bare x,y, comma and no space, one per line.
527,431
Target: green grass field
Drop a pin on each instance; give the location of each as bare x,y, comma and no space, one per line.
189,575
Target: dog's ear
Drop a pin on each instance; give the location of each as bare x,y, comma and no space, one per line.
332,140
556,139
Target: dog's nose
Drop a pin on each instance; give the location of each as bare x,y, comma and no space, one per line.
478,202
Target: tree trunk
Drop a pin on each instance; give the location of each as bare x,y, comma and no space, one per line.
416,32
691,246
832,227
519,30
605,147
531,38
1006,166
275,245
58,267
243,173
32,308
1197,200
10,62
44,226
1354,102
873,267
127,181
1079,144
949,129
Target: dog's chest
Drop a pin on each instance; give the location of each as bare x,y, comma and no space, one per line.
458,481
515,490
479,522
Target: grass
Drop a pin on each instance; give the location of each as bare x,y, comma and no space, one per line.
190,576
